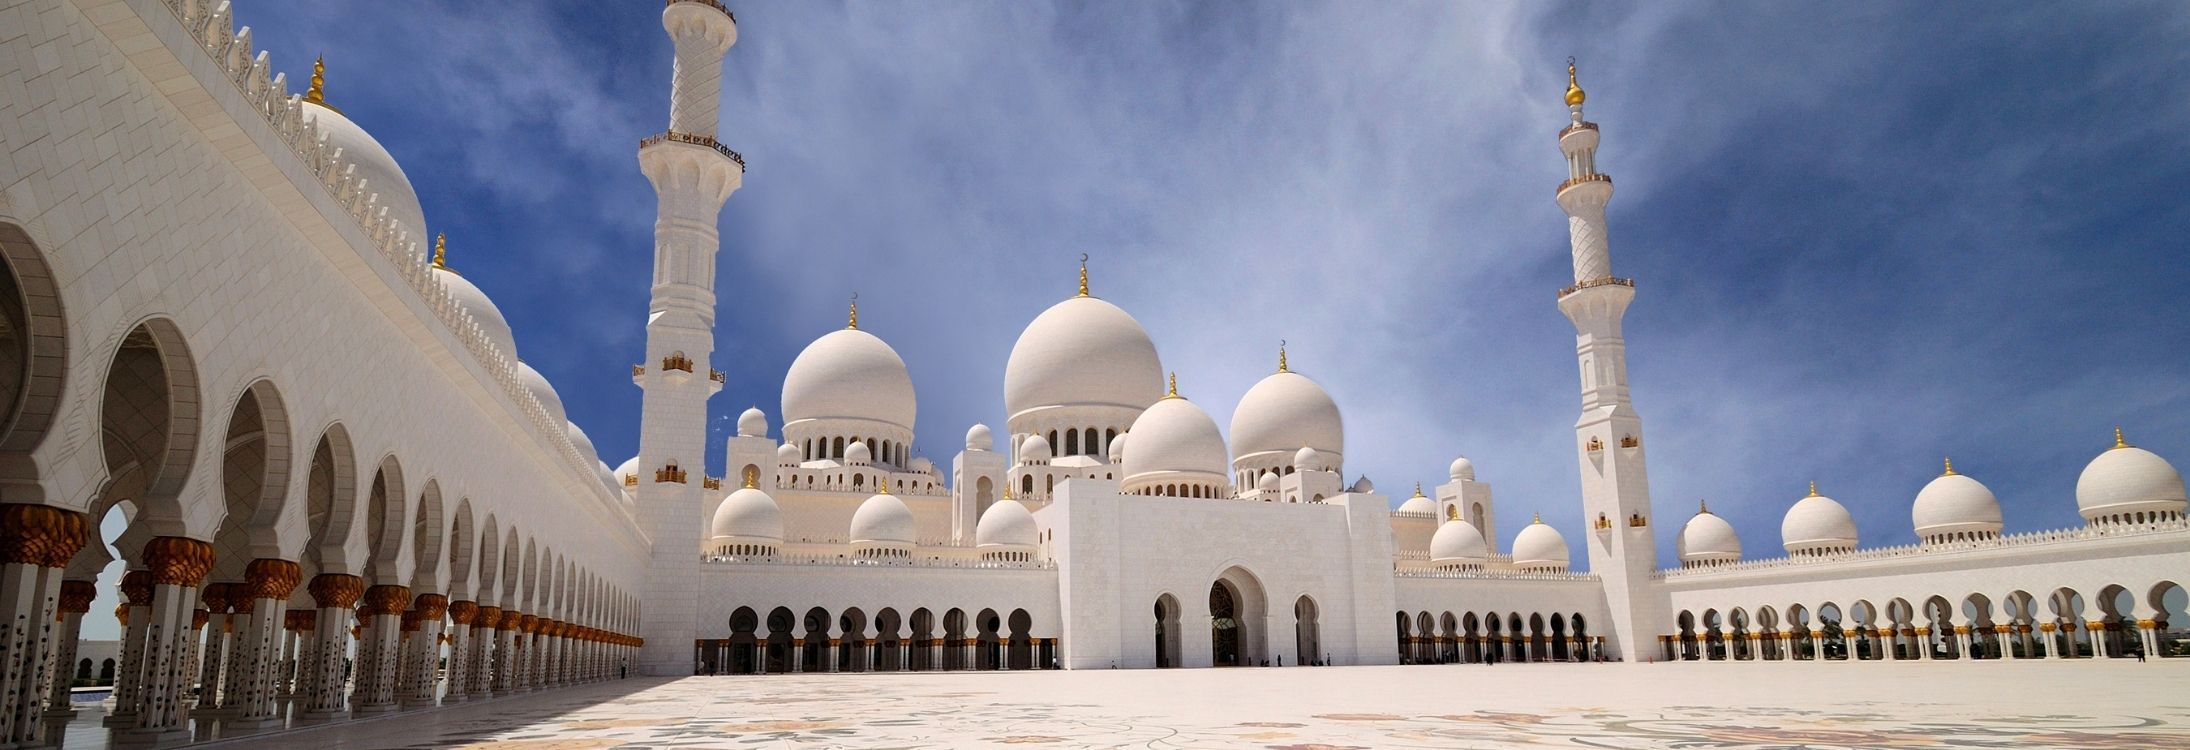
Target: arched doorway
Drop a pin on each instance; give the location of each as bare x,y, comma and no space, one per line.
1237,614
1167,631
1307,637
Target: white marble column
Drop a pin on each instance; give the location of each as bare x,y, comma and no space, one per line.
76,599
177,565
36,544
325,661
252,691
379,650
422,682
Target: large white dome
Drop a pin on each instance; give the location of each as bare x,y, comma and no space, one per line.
541,390
2127,480
1458,543
1285,412
379,169
1082,351
1006,524
849,374
482,309
747,515
883,520
1817,524
1707,538
1955,506
1540,547
1174,440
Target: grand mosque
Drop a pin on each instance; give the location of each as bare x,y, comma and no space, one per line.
322,526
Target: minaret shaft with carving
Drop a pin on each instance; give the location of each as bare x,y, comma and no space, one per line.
1608,435
692,176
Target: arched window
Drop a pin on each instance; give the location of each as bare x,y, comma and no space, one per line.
1109,436
1053,442
836,449
1072,442
1026,484
1089,441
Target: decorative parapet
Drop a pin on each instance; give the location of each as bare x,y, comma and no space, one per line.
695,139
717,375
677,362
717,5
631,480
1496,575
669,473
212,25
1577,126
712,483
1605,281
833,561
2027,539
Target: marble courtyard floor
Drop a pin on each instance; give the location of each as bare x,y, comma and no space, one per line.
1783,706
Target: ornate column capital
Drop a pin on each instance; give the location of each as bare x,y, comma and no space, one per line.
178,561
431,606
463,612
76,596
488,617
384,600
216,597
137,587
511,620
40,535
199,617
529,624
269,578
336,590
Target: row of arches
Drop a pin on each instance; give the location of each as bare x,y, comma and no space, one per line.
883,451
918,641
220,512
1490,637
2118,622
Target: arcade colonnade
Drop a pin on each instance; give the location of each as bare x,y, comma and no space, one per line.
2118,621
1489,638
918,641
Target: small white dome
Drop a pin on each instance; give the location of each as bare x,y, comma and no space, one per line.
787,455
541,390
1308,459
379,169
1458,543
1082,351
1462,470
1419,504
1268,482
1817,524
583,443
849,374
748,515
1540,547
1006,524
1034,450
1955,504
1285,411
752,423
1707,538
1174,439
922,465
1117,450
482,309
857,454
883,519
2127,479
1363,485
978,438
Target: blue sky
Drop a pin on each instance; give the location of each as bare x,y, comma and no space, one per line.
1866,235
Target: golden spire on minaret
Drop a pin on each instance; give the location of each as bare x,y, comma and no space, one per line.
441,252
750,478
1083,275
853,323
1574,95
1950,468
1281,360
2118,441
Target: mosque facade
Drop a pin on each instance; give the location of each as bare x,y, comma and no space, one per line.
229,330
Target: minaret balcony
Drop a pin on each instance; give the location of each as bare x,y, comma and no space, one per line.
1577,127
694,139
716,4
1604,281
1584,180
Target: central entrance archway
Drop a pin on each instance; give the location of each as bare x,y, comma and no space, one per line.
1238,614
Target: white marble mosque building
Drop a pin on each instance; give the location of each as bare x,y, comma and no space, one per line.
321,527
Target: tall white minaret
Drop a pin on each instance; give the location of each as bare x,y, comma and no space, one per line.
1608,436
692,174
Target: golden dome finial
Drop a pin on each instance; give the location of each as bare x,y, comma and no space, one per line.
1813,489
1281,356
441,251
1539,517
1174,392
752,479
1083,275
853,323
2118,441
1417,489
1574,95
1702,507
317,94
1950,468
